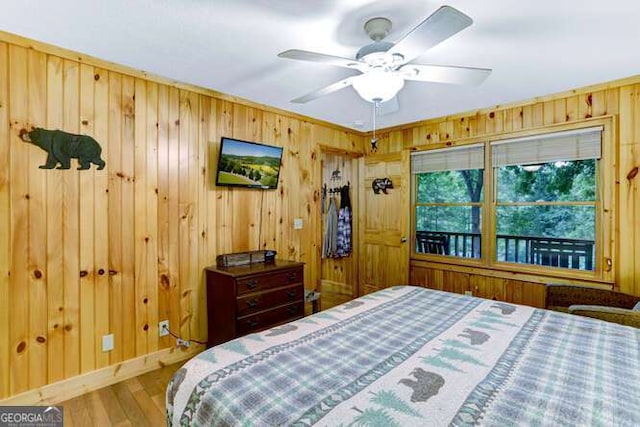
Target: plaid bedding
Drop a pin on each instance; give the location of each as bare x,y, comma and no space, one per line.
412,356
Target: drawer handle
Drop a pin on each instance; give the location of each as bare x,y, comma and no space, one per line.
251,303
252,323
292,276
291,294
292,310
252,284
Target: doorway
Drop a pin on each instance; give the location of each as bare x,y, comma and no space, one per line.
338,282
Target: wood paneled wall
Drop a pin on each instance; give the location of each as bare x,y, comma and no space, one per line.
88,253
480,284
620,100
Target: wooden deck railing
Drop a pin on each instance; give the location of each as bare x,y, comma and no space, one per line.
556,252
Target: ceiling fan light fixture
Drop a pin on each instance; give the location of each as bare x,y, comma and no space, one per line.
378,86
532,168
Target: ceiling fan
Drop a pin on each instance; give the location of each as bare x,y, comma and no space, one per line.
384,66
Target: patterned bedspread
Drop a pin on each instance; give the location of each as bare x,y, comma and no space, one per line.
409,356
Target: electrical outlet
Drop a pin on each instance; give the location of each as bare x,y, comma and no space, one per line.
297,224
163,328
107,342
182,343
468,293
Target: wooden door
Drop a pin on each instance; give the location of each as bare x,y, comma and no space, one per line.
384,222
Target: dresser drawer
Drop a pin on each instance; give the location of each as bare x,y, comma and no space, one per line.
269,281
266,319
255,302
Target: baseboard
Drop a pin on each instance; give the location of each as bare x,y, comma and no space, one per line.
81,384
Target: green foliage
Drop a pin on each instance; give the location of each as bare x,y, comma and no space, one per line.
391,400
554,182
559,181
450,187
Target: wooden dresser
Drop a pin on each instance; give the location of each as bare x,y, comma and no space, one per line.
250,298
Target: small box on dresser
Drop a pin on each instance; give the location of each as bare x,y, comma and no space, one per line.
250,298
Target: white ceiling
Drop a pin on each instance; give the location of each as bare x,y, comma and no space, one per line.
535,47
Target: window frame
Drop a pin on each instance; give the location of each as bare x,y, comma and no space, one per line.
603,271
483,222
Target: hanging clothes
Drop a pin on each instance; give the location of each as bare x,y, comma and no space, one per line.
330,235
343,240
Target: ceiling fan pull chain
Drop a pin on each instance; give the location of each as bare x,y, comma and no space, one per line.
374,140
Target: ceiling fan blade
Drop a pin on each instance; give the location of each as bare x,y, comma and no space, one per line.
304,55
439,26
324,91
389,107
444,74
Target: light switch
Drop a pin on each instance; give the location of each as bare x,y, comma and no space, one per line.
297,223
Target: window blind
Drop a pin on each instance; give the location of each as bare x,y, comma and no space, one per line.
552,147
446,159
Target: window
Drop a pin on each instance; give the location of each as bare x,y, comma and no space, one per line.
543,209
545,192
448,201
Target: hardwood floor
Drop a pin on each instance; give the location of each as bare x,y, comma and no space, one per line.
135,402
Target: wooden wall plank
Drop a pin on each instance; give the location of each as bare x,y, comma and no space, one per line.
628,271
5,224
207,157
114,163
174,212
224,213
54,237
36,81
87,241
187,179
164,274
559,110
270,203
288,244
19,179
141,238
585,106
150,299
247,125
71,224
128,220
102,296
192,319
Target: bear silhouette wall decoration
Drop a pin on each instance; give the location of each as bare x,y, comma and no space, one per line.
381,184
63,146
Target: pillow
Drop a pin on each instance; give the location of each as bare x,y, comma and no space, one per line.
637,306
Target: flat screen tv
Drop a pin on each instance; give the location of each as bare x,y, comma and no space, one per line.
248,164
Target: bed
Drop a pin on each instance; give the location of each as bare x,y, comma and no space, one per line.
408,356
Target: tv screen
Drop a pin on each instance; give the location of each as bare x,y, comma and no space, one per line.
248,164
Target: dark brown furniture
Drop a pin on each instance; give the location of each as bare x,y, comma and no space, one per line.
587,301
250,298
